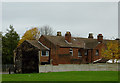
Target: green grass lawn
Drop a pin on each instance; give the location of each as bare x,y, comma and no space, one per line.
64,76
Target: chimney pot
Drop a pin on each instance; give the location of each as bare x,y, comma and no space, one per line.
90,35
68,37
58,33
100,38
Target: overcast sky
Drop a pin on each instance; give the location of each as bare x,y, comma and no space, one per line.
79,18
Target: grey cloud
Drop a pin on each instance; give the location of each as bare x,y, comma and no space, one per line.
80,18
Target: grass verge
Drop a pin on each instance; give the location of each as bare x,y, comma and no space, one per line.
64,76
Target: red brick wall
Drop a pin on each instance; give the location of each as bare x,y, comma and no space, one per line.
53,49
98,47
64,56
89,56
61,55
44,58
65,59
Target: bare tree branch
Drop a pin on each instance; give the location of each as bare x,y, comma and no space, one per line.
46,30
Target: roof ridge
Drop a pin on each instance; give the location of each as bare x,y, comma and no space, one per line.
64,36
78,37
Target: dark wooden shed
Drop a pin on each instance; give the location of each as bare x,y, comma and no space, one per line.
27,56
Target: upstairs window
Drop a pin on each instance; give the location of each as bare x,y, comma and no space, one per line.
97,53
45,53
71,52
86,52
79,53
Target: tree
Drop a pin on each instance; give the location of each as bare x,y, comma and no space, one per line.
111,51
9,43
35,33
32,34
46,30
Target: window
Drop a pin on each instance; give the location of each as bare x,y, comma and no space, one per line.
86,52
71,52
97,53
79,53
45,53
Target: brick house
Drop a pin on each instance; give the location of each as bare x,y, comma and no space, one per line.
57,50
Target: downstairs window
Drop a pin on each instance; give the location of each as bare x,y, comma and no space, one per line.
45,53
79,53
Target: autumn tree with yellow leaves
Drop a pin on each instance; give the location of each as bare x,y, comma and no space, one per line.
111,51
32,34
35,33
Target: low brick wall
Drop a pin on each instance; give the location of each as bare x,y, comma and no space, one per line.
78,67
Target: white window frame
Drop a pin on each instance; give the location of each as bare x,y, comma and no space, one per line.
47,53
71,51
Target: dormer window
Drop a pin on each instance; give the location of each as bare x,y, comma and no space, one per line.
97,53
71,52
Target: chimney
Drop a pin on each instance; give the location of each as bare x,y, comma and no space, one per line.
100,38
90,35
68,37
58,33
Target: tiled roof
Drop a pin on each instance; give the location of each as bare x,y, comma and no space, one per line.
36,44
76,42
60,40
